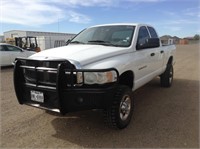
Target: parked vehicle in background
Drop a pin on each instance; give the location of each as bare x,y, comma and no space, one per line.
98,69
8,54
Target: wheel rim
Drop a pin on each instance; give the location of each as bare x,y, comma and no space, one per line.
125,107
171,76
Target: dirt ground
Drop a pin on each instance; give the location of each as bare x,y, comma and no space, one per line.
163,117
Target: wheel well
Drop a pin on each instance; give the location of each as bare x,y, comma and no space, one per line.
170,60
126,78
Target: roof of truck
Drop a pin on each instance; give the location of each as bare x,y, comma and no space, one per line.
115,24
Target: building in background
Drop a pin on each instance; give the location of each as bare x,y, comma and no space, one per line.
46,40
1,38
167,39
190,40
183,41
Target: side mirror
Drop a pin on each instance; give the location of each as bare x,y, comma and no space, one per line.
149,43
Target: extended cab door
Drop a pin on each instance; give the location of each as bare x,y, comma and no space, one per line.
148,59
159,52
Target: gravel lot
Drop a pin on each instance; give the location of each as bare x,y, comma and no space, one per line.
163,118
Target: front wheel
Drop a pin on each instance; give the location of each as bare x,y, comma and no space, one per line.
119,114
166,79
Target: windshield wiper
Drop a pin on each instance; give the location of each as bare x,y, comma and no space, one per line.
78,42
101,42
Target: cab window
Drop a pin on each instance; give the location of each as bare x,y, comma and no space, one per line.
152,32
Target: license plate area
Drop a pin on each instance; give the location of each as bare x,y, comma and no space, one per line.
37,96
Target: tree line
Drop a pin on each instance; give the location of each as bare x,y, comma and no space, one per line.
196,37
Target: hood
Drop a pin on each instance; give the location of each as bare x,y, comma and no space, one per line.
84,54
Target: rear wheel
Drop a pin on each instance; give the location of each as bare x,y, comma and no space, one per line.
119,114
166,79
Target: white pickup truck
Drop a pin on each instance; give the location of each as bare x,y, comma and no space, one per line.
98,69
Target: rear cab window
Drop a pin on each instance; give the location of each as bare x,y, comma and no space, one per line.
152,32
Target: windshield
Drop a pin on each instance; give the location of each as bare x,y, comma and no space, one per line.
120,36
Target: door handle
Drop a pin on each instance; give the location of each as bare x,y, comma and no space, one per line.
161,52
152,54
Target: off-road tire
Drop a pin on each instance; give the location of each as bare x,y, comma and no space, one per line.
115,116
166,79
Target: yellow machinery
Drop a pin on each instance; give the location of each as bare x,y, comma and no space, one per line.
27,43
10,41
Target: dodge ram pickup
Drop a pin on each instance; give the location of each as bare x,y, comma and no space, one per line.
98,69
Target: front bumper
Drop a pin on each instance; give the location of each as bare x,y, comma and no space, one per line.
64,95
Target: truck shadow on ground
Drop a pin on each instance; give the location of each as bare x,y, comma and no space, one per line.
159,116
6,68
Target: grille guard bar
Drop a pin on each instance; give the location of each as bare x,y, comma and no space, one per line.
63,67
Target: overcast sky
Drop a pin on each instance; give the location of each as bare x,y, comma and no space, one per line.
171,17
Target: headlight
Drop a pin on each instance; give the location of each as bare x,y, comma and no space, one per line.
100,77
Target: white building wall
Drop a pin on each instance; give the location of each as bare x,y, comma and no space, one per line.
14,33
1,39
35,33
46,40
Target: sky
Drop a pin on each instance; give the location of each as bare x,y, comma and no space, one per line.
169,17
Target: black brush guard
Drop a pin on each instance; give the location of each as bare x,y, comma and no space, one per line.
58,83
